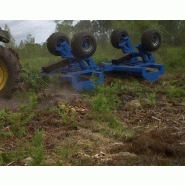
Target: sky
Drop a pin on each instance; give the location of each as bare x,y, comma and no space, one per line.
40,29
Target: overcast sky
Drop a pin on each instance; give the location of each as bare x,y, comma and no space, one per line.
40,29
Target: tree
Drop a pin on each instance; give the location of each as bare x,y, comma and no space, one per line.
11,44
21,45
65,27
174,31
30,39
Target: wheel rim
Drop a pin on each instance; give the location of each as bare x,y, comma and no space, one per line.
3,75
122,37
155,40
61,41
87,45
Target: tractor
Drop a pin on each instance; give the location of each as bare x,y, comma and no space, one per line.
9,68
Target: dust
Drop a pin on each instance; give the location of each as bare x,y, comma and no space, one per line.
13,103
55,95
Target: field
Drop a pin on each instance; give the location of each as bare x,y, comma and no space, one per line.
126,121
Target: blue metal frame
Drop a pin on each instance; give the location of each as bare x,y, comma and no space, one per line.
78,69
145,68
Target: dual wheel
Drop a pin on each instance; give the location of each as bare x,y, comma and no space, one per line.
83,45
150,39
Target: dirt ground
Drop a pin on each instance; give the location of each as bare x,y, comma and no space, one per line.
159,132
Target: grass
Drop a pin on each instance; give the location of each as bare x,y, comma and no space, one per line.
18,120
175,92
173,58
63,153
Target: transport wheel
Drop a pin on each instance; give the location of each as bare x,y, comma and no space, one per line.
53,40
9,72
117,37
83,45
151,40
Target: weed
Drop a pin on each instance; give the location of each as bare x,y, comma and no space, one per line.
17,127
68,116
1,160
151,99
113,122
37,150
32,105
175,92
62,110
173,58
113,127
17,121
63,153
3,114
105,99
133,86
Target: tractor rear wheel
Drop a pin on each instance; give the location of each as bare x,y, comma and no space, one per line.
9,72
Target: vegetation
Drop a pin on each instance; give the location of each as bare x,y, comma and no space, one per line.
72,131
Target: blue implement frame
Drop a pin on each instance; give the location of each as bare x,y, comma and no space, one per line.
78,71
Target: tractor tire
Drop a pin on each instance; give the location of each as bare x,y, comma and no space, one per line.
83,45
9,72
53,40
150,40
116,36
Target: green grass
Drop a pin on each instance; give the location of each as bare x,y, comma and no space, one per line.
175,92
63,152
173,58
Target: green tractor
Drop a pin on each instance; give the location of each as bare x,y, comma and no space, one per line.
9,68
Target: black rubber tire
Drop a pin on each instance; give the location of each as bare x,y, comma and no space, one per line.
151,40
116,37
53,40
10,58
77,45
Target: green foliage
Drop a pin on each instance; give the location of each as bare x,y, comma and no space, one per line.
18,120
63,152
175,92
62,110
17,127
3,114
151,98
68,116
113,127
131,86
105,99
20,153
37,150
173,58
